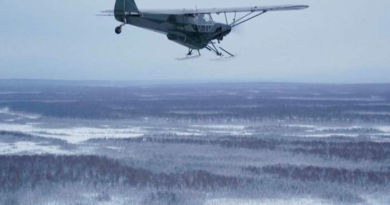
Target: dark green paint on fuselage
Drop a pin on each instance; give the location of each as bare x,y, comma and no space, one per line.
178,28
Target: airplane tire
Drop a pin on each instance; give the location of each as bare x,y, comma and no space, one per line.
118,30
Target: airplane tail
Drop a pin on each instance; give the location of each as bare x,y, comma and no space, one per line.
124,8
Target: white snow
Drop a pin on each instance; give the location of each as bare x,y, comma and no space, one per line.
323,135
30,147
369,113
225,127
303,126
384,128
372,99
18,115
324,128
74,134
370,200
183,133
114,148
13,93
307,201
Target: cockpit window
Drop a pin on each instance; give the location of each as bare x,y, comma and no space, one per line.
201,19
203,22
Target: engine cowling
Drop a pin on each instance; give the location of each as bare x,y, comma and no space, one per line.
221,32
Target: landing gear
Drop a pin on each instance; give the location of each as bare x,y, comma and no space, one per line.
118,30
214,49
220,55
190,52
189,55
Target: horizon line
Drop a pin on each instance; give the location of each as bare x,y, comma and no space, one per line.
196,81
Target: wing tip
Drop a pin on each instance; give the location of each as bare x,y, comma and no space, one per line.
298,7
305,6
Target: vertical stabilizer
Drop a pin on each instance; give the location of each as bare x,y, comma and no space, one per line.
125,7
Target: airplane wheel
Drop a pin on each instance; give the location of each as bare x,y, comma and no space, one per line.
118,30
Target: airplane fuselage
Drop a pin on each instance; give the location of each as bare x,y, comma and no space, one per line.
180,28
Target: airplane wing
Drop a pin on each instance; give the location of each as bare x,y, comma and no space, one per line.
226,10
220,10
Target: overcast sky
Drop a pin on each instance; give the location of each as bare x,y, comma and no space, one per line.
331,42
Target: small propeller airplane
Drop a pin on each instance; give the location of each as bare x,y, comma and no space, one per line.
192,28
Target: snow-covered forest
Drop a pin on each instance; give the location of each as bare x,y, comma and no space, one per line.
87,143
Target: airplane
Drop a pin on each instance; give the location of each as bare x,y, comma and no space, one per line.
192,28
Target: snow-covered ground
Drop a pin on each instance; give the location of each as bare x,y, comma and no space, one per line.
14,116
74,134
383,128
369,200
30,148
227,201
79,133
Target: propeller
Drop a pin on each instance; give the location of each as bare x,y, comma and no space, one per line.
239,30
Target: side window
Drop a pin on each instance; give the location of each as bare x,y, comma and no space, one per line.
193,19
201,19
207,19
204,22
